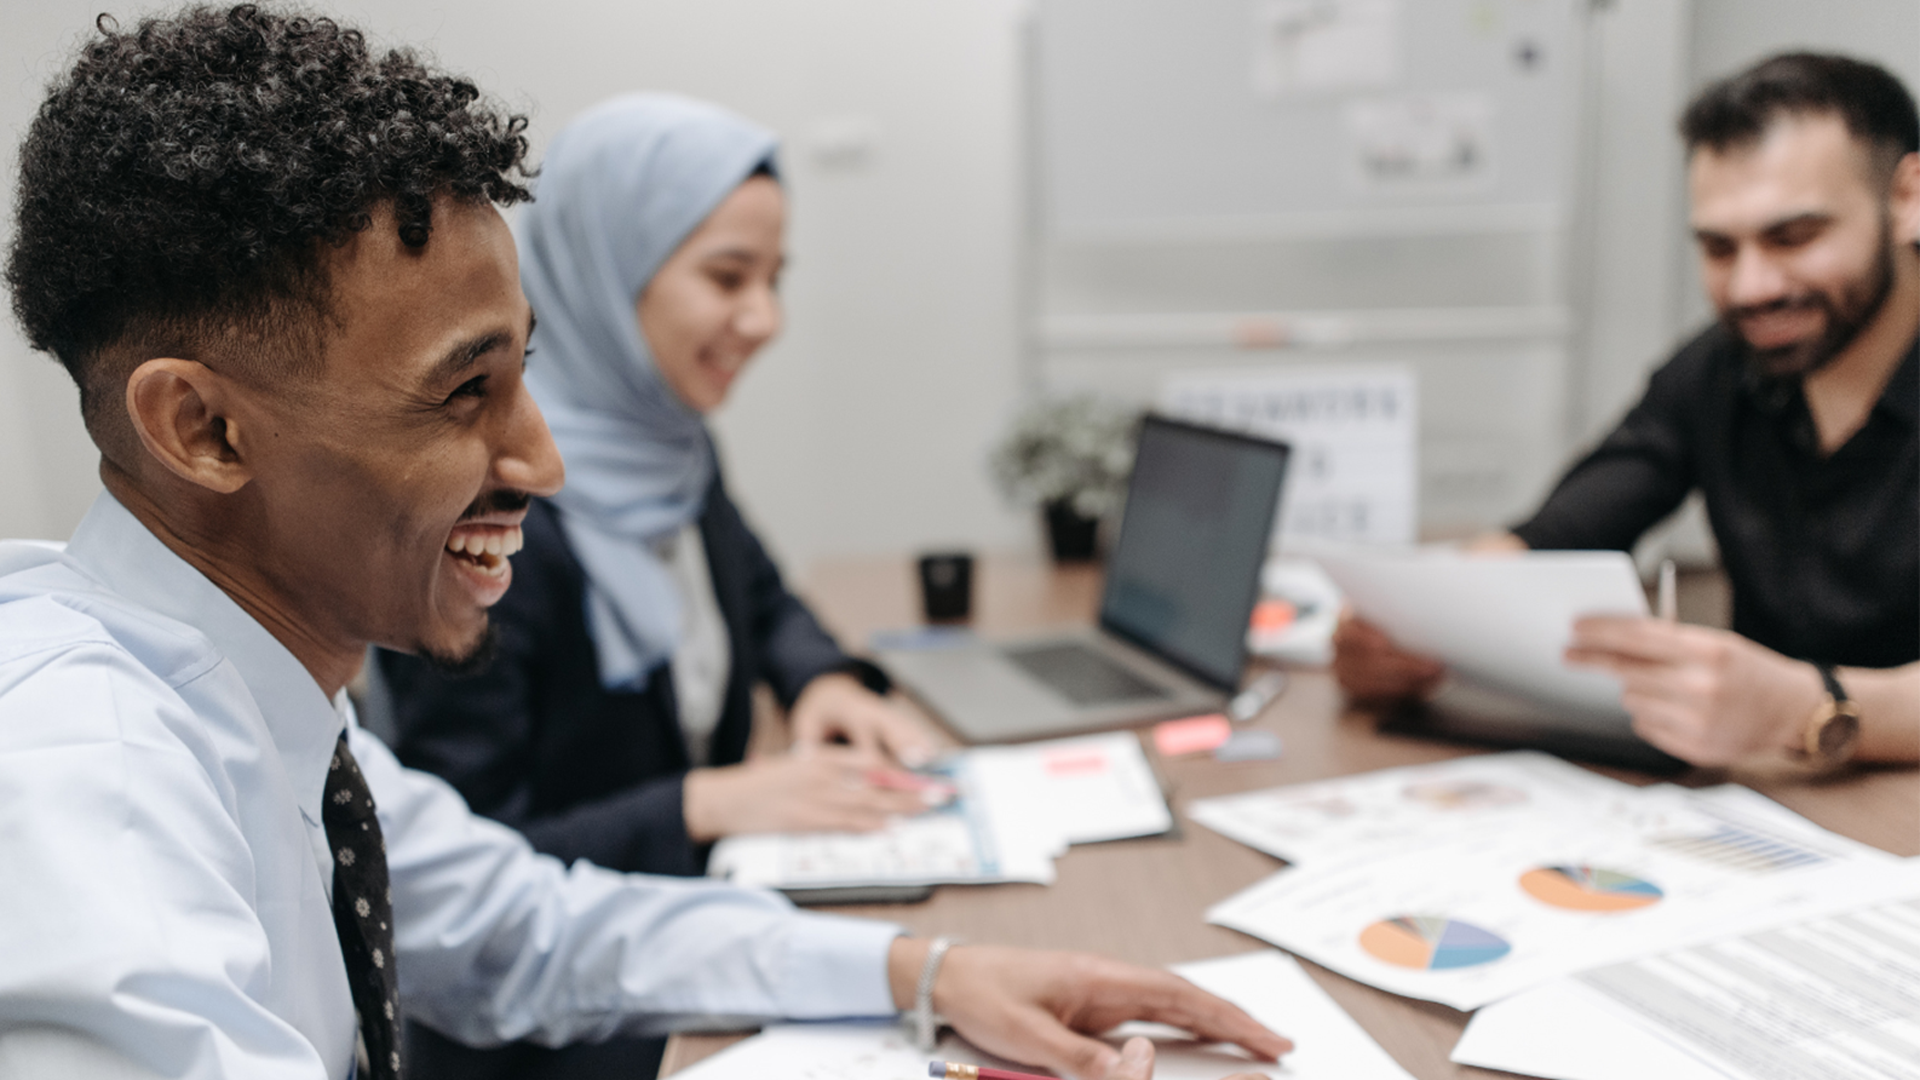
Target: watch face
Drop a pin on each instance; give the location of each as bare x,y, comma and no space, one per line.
1837,735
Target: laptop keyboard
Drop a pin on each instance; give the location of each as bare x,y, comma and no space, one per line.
1085,676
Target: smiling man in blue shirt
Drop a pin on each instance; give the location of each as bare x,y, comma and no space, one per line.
271,260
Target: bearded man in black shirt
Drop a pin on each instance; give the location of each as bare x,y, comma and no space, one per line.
1798,418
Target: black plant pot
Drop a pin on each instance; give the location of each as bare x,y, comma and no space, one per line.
1072,535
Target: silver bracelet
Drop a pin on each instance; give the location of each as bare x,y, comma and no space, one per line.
924,1024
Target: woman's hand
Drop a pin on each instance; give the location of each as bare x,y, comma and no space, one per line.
833,789
1043,1008
836,708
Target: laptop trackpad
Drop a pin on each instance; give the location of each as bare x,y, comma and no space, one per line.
1083,675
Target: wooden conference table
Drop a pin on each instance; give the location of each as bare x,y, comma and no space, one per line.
1144,900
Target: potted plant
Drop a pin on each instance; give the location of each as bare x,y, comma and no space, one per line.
1071,457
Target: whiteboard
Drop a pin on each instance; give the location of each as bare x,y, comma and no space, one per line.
1199,113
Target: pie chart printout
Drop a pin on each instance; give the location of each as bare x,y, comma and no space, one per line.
1463,794
1589,888
1432,943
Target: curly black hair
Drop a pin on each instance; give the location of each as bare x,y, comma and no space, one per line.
182,181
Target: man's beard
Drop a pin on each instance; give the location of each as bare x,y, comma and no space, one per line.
473,660
1849,313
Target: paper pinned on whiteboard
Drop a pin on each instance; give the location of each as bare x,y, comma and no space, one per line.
1427,143
1354,431
1322,46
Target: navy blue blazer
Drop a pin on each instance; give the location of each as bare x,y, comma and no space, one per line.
533,740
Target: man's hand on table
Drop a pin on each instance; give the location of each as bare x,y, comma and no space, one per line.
1041,1008
1708,696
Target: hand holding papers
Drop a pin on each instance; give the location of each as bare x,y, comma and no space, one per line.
1500,621
1016,808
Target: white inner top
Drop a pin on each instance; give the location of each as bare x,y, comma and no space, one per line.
703,656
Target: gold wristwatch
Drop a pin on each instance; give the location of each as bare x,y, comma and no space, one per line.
1833,729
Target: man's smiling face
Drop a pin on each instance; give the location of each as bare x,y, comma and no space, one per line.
394,482
1795,241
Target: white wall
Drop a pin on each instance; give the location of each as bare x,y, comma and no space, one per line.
1631,280
865,428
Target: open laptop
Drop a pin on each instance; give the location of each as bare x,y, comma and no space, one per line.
1180,587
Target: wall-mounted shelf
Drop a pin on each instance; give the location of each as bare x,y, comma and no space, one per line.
1301,329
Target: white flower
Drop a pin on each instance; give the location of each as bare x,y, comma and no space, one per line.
1078,449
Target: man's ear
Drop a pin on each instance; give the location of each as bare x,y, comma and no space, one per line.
182,411
1904,193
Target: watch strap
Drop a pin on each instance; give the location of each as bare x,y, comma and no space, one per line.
1834,690
1830,733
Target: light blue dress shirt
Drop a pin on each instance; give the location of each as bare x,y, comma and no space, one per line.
164,874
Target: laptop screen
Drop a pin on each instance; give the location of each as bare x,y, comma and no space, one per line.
1184,575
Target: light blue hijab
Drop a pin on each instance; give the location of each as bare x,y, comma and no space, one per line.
621,188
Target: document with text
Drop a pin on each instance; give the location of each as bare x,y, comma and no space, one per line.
1485,912
1833,998
1015,808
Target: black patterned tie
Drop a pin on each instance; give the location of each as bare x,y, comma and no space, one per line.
363,911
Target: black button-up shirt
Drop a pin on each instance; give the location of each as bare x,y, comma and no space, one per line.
1823,553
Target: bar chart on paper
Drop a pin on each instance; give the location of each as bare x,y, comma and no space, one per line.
1742,849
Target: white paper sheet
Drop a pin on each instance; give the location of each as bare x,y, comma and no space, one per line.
1833,998
1489,912
1502,621
1317,46
1559,1031
1087,789
1271,987
1376,813
1018,808
1429,143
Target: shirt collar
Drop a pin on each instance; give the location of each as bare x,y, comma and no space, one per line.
1900,399
113,546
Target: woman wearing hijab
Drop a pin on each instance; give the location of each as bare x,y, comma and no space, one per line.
612,722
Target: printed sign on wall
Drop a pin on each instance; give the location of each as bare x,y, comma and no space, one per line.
1354,430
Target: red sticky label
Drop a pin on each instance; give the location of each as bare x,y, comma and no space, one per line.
1194,735
1272,616
1069,763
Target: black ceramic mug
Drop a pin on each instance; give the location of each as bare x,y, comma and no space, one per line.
946,586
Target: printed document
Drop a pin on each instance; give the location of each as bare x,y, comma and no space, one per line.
1833,998
1377,813
1016,808
1480,914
